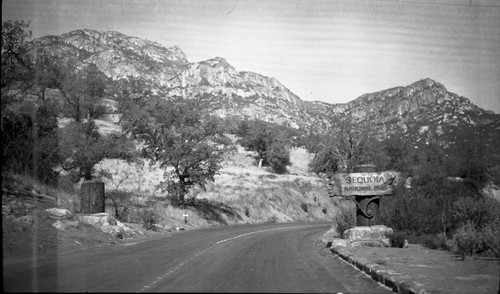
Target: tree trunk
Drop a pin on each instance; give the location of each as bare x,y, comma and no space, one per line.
34,134
92,197
443,219
182,188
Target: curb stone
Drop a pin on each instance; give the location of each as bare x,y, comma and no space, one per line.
396,281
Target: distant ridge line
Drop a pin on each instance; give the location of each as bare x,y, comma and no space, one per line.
440,3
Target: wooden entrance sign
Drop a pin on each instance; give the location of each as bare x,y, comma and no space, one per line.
366,186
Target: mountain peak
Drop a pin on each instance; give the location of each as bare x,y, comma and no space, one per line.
84,32
427,83
216,60
231,93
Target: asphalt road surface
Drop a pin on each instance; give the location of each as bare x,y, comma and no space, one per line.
247,258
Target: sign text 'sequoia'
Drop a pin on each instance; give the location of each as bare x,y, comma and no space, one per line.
366,179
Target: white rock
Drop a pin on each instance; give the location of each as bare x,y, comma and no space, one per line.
114,230
329,236
97,219
340,242
58,213
64,224
378,232
59,225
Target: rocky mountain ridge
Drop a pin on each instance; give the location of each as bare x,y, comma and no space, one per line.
167,72
420,111
423,110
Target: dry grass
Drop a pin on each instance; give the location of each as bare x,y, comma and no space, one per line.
253,194
66,198
265,196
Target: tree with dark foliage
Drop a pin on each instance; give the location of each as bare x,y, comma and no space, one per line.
28,123
346,146
175,134
271,142
82,146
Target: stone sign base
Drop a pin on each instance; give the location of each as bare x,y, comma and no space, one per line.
369,236
375,236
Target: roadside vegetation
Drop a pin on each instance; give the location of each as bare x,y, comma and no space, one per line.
445,207
64,122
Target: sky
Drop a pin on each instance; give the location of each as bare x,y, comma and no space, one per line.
325,50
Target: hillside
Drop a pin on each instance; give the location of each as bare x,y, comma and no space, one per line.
421,112
247,193
130,71
424,111
167,72
242,193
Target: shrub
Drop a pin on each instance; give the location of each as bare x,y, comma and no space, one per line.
345,219
247,211
324,210
120,200
479,211
467,240
304,206
490,237
173,199
397,239
278,157
409,211
131,214
150,218
435,242
273,219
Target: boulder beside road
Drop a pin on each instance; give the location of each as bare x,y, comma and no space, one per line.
58,213
109,224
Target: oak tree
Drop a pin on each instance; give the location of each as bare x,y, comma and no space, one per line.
188,145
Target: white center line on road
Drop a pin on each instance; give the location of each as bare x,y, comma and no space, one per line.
164,275
256,232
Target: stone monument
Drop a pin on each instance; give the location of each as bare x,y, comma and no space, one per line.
365,187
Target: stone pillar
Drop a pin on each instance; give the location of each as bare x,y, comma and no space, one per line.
92,197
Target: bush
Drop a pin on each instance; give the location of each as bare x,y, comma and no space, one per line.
150,218
411,212
478,210
324,210
345,219
467,239
273,219
304,206
435,242
173,199
120,200
131,214
247,211
398,239
490,237
278,157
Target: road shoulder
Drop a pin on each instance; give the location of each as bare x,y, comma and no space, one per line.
419,270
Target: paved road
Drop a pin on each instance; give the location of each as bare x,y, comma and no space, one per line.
249,258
